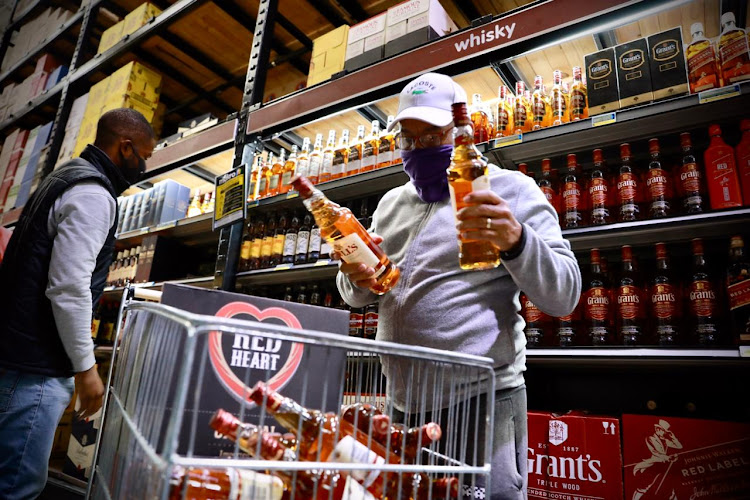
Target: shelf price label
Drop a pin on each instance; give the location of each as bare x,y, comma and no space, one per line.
292,194
604,119
507,141
718,94
322,262
230,190
282,267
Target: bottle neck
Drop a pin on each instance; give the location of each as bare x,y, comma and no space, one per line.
662,264
627,266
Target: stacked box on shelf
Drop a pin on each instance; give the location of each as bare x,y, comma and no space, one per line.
328,55
415,22
166,201
27,167
72,128
30,35
131,23
16,151
366,43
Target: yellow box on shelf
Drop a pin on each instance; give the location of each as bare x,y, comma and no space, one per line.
138,17
110,37
138,81
328,55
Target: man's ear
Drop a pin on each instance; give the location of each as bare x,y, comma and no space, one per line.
126,151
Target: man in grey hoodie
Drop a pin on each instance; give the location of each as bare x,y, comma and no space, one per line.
52,275
436,303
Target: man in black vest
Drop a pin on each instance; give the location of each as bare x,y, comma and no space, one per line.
52,274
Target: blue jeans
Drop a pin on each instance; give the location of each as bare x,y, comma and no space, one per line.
31,406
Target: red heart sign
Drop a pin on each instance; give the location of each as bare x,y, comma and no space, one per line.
228,378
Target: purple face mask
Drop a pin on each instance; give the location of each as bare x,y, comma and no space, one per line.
426,169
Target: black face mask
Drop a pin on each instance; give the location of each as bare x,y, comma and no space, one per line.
134,173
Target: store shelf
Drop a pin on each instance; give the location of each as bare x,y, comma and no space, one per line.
642,122
34,105
288,273
685,227
201,282
103,351
191,231
193,148
43,46
60,480
618,357
10,217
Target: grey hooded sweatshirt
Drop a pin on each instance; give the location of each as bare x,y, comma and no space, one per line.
437,304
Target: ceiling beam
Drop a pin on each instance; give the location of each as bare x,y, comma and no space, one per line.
354,9
331,14
468,9
197,54
294,31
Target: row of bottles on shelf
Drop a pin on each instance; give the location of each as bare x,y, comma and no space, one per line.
359,434
667,308
272,175
629,192
103,322
291,237
705,69
528,110
201,203
124,267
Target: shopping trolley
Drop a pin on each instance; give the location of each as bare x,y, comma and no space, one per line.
157,376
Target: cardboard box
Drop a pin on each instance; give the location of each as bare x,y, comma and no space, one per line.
601,76
20,174
138,82
668,65
574,456
669,457
34,164
110,37
7,150
172,200
237,361
328,55
415,22
56,76
633,73
138,17
366,43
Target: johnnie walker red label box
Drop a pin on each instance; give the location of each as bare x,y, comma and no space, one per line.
669,457
574,456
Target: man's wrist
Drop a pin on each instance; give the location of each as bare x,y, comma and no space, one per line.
516,250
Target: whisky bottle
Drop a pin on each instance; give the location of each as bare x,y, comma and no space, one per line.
303,240
290,241
266,248
369,420
504,112
566,96
627,188
252,439
301,295
630,302
195,204
408,442
315,299
263,175
316,160
341,157
557,99
599,192
207,205
246,247
347,236
522,113
303,159
468,172
194,483
290,168
540,108
702,299
742,152
356,322
691,180
664,300
572,202
567,327
734,54
547,186
314,247
479,120
387,146
370,147
354,158
579,101
326,168
658,184
703,70
259,234
738,290
598,312
537,322
274,179
277,248
370,322
721,172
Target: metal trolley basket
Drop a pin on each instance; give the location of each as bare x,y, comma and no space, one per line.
160,369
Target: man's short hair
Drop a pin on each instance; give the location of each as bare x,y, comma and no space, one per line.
122,123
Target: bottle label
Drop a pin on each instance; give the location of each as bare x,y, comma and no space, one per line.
371,324
577,102
519,115
369,155
701,64
314,245
656,182
540,109
273,185
690,178
559,107
262,185
531,313
737,48
481,183
278,244
355,161
290,244
572,195
597,304
549,193
354,250
626,188
351,451
339,165
266,246
355,491
355,324
628,302
95,327
255,248
315,163
598,189
722,179
255,485
702,299
303,167
664,301
459,190
303,239
327,166
502,119
286,178
739,294
246,249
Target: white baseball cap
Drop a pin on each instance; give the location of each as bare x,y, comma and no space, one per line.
429,98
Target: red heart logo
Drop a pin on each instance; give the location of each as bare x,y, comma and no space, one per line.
228,378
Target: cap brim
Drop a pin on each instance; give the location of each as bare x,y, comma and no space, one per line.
433,116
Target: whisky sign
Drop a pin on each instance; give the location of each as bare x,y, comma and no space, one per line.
231,193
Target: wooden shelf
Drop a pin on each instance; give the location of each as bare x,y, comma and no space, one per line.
191,231
289,273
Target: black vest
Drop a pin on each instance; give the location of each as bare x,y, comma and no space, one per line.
29,341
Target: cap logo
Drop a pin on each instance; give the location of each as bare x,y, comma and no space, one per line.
417,92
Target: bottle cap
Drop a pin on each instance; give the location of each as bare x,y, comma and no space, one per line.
627,252
653,146
431,432
523,168
538,80
625,150
661,250
546,165
576,71
572,163
460,114
595,258
557,76
303,186
697,246
598,156
502,91
476,98
225,424
745,125
685,140
520,87
727,17
736,242
714,130
696,28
